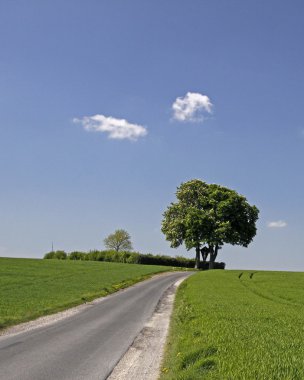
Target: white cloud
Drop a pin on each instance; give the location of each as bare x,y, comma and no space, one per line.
192,107
277,224
116,128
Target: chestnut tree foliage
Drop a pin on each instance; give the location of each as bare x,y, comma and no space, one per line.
206,216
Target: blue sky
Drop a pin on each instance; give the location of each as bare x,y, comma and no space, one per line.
72,179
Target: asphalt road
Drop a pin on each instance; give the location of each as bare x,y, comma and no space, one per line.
86,345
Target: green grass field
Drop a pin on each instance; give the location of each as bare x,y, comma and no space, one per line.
228,325
30,288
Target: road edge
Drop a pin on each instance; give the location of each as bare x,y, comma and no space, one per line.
53,318
144,357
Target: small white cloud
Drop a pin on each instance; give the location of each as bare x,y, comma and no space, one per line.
192,107
277,224
116,128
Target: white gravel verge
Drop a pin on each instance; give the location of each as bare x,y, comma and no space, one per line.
143,359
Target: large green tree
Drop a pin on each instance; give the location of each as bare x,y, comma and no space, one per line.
206,216
120,240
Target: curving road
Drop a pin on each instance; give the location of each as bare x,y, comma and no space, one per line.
86,345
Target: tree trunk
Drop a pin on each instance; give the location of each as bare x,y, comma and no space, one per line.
197,257
213,254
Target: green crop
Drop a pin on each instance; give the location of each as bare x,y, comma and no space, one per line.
30,288
235,325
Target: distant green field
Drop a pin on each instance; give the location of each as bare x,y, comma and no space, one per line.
30,288
239,326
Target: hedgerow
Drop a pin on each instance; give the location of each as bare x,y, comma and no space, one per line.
130,258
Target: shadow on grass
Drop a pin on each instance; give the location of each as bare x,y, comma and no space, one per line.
200,359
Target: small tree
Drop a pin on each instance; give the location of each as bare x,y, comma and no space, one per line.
209,215
120,240
59,255
77,256
49,255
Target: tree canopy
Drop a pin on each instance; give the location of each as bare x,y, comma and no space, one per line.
120,240
210,215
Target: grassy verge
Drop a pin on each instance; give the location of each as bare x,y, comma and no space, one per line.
239,326
31,288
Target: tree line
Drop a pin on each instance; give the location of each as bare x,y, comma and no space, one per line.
127,257
204,217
